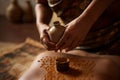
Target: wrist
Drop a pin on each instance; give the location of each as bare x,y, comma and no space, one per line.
41,27
39,23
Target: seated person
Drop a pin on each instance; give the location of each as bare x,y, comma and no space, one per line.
90,24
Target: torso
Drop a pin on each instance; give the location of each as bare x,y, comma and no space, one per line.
68,10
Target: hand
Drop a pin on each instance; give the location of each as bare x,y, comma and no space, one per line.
44,38
74,34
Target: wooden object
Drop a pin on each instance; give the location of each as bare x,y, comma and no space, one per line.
14,12
28,13
62,64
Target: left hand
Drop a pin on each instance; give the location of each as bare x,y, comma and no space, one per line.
74,34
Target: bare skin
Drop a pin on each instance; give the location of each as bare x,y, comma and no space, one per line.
93,16
81,25
43,16
110,70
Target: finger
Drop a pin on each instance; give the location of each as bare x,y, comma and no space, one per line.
42,39
48,45
62,40
45,31
43,36
47,39
47,42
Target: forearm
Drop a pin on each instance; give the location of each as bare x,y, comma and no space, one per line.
94,11
43,14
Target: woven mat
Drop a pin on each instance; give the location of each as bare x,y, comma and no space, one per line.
16,60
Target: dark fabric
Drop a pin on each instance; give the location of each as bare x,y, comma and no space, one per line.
100,38
109,42
68,10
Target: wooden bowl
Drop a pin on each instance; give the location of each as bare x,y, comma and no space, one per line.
62,64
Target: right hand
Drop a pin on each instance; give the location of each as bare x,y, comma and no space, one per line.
44,37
